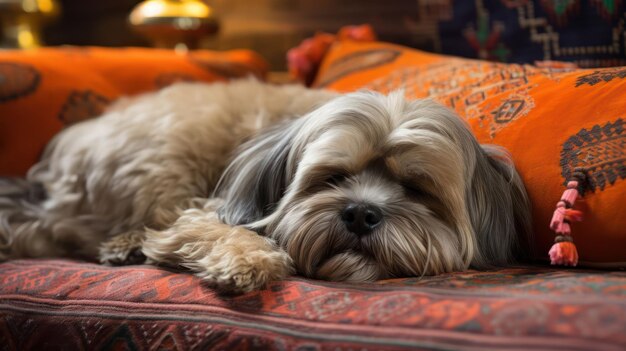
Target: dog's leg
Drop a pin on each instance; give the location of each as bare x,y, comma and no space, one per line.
232,259
123,249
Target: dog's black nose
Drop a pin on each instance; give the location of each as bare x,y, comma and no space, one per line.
361,219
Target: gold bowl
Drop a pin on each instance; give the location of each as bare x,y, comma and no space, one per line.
178,24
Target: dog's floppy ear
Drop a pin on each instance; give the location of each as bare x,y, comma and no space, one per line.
499,209
256,179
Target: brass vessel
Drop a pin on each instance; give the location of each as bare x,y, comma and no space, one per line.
178,24
22,21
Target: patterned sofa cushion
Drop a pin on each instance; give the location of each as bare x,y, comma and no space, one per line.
41,91
64,305
554,120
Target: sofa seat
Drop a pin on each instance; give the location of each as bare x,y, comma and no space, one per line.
70,305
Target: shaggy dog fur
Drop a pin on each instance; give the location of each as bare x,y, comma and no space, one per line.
355,188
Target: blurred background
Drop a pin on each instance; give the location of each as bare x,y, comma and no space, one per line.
590,33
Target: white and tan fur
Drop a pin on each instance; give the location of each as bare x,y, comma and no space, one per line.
244,183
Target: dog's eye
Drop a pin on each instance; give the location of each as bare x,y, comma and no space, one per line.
414,191
335,179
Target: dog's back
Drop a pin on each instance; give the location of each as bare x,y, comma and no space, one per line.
137,165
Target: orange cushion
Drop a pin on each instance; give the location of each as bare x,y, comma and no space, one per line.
43,90
551,120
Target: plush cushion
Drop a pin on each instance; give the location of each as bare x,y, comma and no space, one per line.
552,119
43,90
64,305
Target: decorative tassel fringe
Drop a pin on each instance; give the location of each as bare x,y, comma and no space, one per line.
564,252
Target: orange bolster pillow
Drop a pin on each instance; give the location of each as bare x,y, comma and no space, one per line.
45,89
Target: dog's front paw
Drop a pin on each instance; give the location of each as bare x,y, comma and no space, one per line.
231,259
233,268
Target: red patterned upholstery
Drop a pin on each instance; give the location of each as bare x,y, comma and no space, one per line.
65,305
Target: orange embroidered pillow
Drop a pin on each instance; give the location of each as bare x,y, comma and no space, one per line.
553,121
43,90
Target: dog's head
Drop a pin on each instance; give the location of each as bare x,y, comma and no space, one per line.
370,186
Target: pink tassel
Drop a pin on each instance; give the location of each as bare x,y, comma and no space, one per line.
564,252
558,217
569,196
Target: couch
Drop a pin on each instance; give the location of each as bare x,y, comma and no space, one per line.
61,304
69,305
